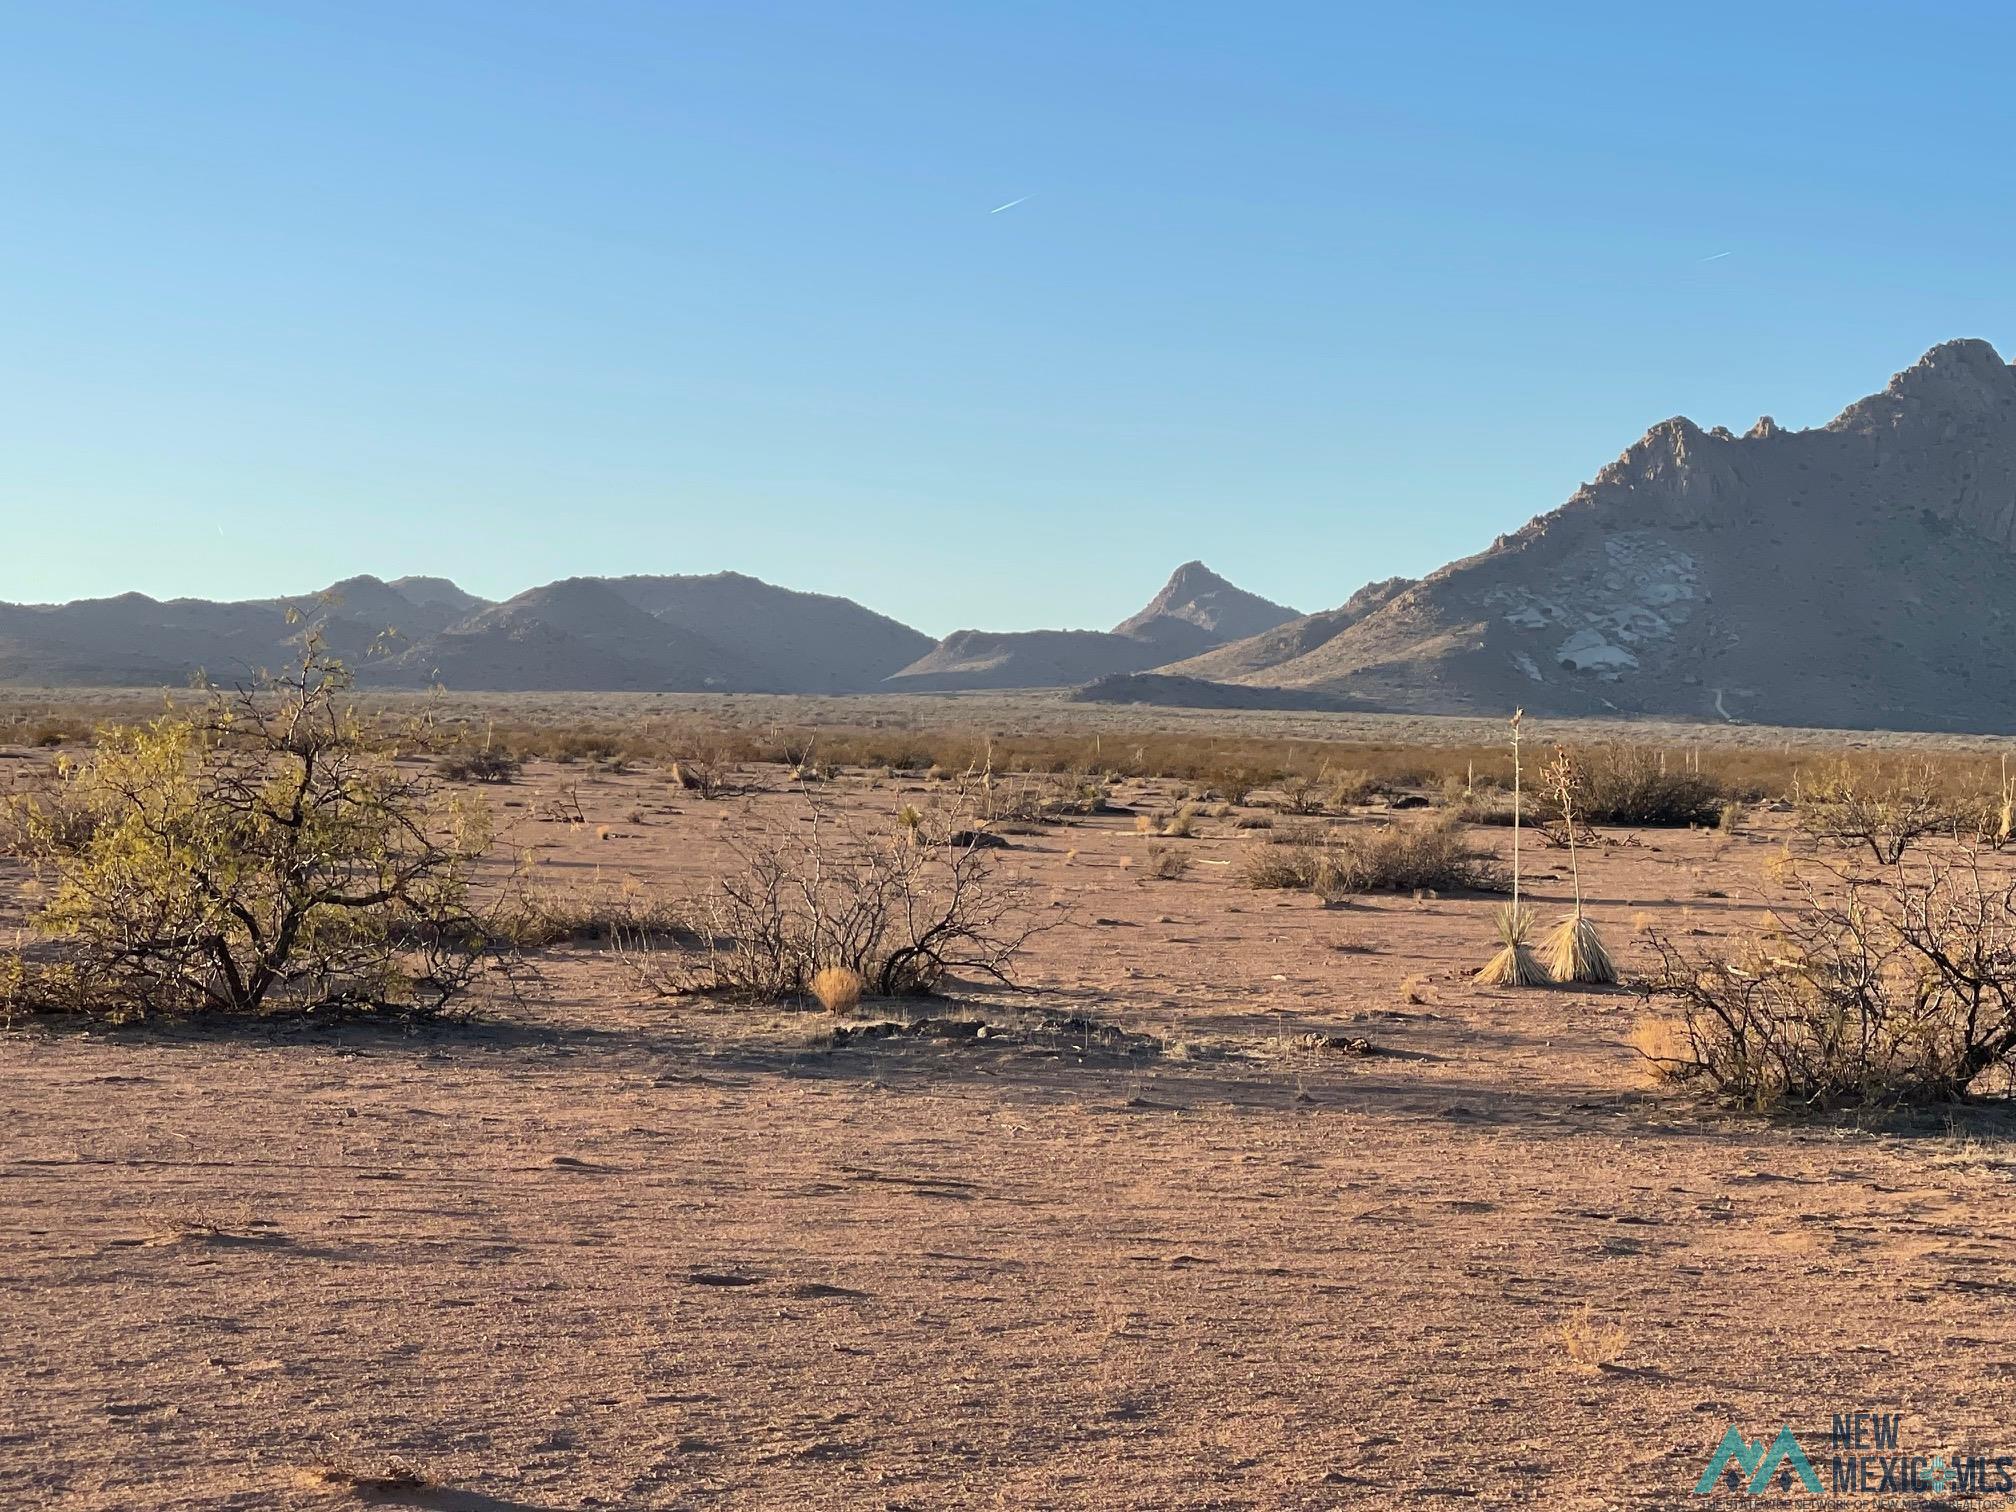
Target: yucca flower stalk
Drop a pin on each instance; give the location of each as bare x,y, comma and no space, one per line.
1574,952
1514,965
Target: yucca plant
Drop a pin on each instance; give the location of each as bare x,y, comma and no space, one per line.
1514,965
1574,952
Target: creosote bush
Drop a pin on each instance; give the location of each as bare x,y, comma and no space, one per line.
262,853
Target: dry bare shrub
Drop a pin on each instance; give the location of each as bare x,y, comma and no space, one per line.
823,893
1894,989
707,775
1353,786
1299,832
1254,822
264,853
1167,863
1301,793
1233,784
1886,810
838,989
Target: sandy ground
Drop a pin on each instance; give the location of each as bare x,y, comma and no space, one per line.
608,1250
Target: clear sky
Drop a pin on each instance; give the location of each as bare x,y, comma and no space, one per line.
1317,292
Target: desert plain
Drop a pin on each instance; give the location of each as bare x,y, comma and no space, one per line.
1238,1198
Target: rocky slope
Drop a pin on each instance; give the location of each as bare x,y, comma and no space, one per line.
1857,574
1286,641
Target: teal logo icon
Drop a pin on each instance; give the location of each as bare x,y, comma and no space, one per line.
1759,1463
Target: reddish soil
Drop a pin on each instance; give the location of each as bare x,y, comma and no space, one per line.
604,1249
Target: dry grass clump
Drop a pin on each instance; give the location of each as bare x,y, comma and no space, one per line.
1177,824
838,989
1591,1343
1166,863
1352,786
1298,832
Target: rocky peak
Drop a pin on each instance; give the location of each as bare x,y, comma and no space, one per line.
1196,599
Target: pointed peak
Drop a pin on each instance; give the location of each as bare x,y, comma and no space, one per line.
1194,576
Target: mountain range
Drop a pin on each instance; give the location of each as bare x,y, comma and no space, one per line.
1857,574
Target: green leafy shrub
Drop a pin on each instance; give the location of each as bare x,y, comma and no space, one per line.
261,854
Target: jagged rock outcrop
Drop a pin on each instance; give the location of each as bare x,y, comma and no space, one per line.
1860,574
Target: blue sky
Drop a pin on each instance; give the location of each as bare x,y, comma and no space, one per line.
1316,292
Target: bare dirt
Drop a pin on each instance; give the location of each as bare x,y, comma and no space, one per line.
1144,1247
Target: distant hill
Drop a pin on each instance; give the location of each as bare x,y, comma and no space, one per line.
800,642
1197,693
723,632
576,634
1195,611
969,659
133,640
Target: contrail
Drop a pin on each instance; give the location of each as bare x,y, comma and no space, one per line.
1715,257
1011,204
